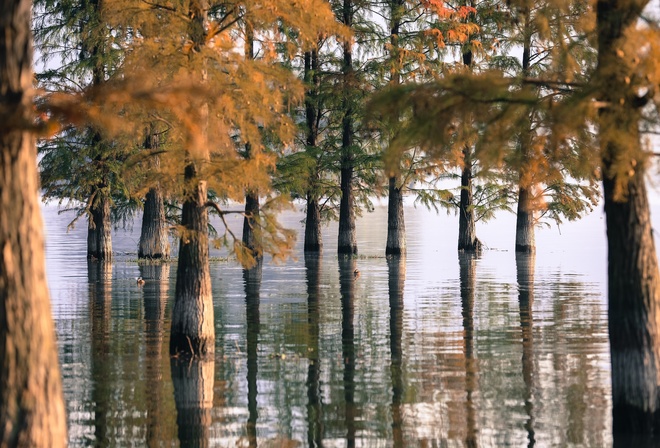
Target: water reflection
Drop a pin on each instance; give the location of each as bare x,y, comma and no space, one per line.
193,397
99,275
252,283
155,290
347,278
396,274
313,383
525,275
467,262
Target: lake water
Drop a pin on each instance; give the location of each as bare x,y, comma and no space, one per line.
435,350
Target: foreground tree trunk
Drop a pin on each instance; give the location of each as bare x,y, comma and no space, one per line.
525,240
99,230
633,278
313,237
467,231
31,403
396,227
347,240
193,331
154,242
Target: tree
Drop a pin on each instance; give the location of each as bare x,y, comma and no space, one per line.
31,403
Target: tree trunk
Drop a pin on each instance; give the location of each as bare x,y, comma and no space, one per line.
467,232
193,331
525,241
396,227
313,237
193,397
154,242
250,223
347,240
396,272
99,230
467,262
31,403
314,393
252,284
633,278
525,275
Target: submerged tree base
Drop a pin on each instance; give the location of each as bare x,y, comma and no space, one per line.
183,346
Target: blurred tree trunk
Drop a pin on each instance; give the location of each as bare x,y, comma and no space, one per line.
31,403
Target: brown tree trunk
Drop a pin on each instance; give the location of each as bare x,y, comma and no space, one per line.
347,278
314,393
525,240
313,237
525,275
154,242
99,230
347,240
467,231
250,223
193,397
31,404
396,271
396,226
468,277
633,278
193,331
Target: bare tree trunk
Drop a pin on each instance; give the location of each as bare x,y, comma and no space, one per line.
347,239
467,231
525,240
313,237
193,331
633,277
99,230
250,223
154,242
396,226
396,271
31,404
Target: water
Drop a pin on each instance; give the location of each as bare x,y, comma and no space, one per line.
439,350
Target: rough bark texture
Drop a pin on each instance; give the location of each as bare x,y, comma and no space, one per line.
99,230
633,278
313,383
193,331
313,237
468,278
252,283
347,240
154,242
31,404
467,230
347,278
249,224
396,271
396,227
525,239
193,397
525,274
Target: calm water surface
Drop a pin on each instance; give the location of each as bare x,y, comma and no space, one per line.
434,350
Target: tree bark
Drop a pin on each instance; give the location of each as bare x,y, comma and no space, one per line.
249,224
467,231
396,226
31,403
154,241
99,230
193,331
633,278
347,239
525,239
313,236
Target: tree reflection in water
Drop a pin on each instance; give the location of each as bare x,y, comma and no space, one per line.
467,272
396,270
314,397
252,284
193,396
347,267
525,275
